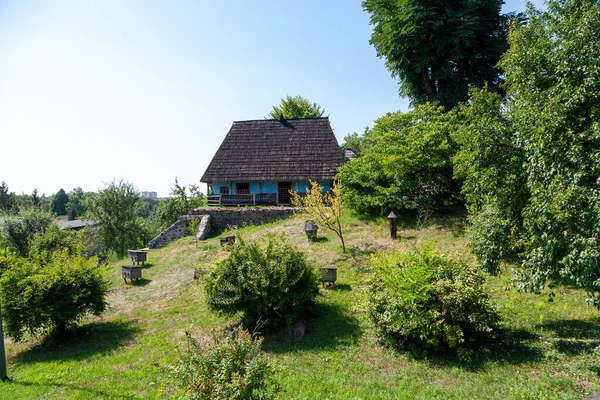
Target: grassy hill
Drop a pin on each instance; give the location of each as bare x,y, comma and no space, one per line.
548,350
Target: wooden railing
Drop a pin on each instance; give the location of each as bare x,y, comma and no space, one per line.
255,199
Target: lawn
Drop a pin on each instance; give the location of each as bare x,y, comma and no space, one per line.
546,350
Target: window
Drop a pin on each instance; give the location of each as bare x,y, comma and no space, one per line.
242,188
224,190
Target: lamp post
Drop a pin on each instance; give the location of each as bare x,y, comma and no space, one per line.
392,219
3,375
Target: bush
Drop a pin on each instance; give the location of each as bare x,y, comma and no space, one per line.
231,367
274,283
54,296
43,246
425,300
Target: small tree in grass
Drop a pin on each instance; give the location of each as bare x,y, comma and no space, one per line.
324,209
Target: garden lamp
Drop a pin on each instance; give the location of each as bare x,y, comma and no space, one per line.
392,219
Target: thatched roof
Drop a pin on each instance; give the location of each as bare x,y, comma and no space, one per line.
276,149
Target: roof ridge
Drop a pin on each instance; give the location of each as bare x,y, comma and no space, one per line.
277,120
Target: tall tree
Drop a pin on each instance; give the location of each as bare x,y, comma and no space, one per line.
59,202
76,206
115,209
407,165
35,198
535,185
439,48
296,107
7,199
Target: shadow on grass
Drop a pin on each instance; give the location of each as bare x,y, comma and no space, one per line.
575,336
358,253
341,287
141,282
329,329
52,385
320,239
507,346
83,342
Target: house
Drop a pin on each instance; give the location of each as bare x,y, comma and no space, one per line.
261,161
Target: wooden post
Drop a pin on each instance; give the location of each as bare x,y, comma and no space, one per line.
3,375
393,229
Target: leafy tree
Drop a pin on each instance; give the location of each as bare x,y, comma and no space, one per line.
358,143
491,161
550,146
115,209
408,165
437,49
7,199
59,202
325,209
76,206
35,199
169,211
19,230
296,107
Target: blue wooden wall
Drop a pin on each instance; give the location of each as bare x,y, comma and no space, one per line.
267,186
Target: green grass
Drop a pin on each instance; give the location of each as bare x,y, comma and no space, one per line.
547,350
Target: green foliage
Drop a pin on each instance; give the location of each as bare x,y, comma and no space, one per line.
54,296
59,202
233,366
168,211
439,49
325,209
42,246
119,227
359,144
17,231
532,164
422,299
296,107
408,166
76,206
491,161
7,199
272,282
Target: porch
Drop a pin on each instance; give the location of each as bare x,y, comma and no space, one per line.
252,199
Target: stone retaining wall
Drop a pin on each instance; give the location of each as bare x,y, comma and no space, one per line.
217,219
176,231
223,217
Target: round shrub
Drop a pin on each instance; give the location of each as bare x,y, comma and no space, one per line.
233,366
36,298
272,282
425,300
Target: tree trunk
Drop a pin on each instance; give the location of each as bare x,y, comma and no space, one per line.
429,85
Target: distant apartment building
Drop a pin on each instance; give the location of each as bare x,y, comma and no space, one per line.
150,195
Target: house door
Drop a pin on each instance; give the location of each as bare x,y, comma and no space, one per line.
283,192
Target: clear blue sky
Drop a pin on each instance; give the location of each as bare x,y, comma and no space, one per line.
146,90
